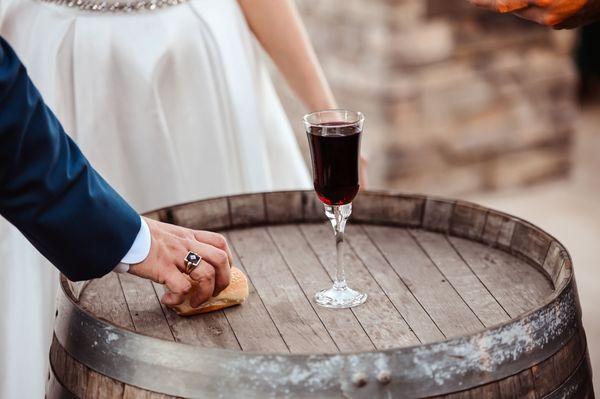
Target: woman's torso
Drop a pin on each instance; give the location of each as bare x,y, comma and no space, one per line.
170,105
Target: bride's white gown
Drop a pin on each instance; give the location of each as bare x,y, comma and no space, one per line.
170,105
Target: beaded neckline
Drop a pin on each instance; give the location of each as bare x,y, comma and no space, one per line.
116,6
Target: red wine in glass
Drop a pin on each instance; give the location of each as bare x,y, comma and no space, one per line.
335,148
334,139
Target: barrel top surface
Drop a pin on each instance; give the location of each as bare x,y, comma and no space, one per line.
433,271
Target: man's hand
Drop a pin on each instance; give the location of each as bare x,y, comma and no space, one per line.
555,13
165,262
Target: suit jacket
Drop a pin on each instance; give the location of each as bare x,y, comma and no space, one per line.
48,189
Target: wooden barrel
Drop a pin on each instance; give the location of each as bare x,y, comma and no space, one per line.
464,302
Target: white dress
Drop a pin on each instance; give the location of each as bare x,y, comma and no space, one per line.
170,105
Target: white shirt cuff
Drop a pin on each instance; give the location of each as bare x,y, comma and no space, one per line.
139,249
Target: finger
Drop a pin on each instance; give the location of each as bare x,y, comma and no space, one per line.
218,260
208,237
506,6
215,258
560,11
214,239
172,299
217,285
205,277
502,6
176,281
535,14
168,297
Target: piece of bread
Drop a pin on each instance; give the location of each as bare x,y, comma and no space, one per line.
235,294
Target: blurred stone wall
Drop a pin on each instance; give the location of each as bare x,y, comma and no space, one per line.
457,99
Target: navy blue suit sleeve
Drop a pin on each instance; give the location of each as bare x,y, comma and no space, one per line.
48,189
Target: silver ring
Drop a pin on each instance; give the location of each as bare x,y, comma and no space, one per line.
191,261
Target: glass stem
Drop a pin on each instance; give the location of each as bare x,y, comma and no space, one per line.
338,215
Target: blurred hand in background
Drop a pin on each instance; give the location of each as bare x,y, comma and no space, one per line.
559,14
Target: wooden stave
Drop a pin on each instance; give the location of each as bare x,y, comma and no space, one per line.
576,385
194,382
414,211
55,389
265,208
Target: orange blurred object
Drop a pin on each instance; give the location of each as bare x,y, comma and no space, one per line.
559,10
547,12
505,6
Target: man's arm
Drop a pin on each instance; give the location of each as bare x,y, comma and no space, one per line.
50,192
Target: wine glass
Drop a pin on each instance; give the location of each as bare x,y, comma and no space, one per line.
334,140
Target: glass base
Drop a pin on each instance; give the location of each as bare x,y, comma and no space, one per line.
340,298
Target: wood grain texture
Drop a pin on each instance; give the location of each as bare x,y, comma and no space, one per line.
247,210
437,215
475,294
378,316
434,292
577,386
397,210
287,304
285,207
54,389
100,386
86,383
423,286
499,229
251,322
210,214
567,367
554,260
144,307
488,391
549,374
468,220
564,273
131,392
531,243
542,380
210,330
342,324
517,286
314,211
393,286
105,299
72,374
519,386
